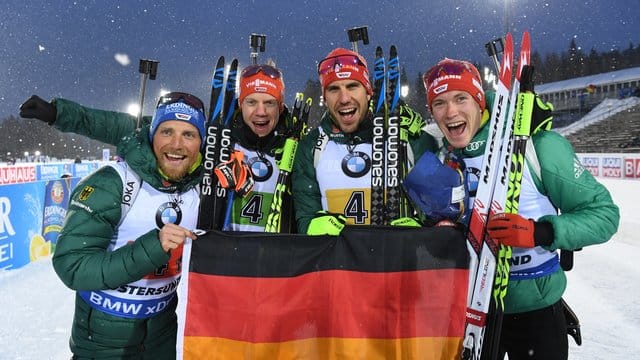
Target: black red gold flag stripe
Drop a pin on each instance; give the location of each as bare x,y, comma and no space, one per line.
371,293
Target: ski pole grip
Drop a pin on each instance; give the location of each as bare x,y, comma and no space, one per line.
526,78
288,154
524,103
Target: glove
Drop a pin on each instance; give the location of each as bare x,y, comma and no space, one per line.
541,116
326,223
439,191
36,108
406,221
514,230
235,174
410,120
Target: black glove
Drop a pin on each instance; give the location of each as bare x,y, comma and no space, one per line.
36,108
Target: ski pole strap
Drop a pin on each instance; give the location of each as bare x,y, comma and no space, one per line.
541,117
532,113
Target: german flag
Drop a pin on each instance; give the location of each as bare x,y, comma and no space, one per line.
371,293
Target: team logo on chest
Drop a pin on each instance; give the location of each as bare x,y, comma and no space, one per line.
168,212
356,164
261,168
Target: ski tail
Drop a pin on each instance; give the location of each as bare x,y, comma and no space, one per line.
211,150
392,140
573,323
378,143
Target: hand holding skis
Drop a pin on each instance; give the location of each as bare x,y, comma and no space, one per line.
514,230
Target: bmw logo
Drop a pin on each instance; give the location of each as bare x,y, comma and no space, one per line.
168,212
473,177
261,168
356,164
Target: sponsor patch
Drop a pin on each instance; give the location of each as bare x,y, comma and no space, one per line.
180,116
440,89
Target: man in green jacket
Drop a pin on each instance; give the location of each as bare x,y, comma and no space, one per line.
566,208
258,130
332,170
121,245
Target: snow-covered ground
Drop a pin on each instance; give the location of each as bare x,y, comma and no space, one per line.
36,308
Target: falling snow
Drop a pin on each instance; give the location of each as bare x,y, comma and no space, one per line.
85,43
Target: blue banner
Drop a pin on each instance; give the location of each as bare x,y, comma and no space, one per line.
53,171
83,169
21,213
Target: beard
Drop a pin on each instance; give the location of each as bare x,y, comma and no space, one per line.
173,172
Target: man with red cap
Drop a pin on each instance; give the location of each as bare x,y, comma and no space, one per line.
332,170
561,207
259,131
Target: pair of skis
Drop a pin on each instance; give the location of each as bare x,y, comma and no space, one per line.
218,145
388,155
498,191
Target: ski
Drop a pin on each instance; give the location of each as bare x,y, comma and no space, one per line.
506,193
483,251
378,143
226,146
392,140
217,145
209,181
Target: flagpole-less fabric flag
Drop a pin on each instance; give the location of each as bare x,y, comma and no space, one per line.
371,293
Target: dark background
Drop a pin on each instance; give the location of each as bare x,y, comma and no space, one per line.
69,48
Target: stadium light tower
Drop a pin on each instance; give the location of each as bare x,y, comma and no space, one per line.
506,16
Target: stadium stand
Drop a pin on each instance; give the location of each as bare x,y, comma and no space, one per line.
611,127
597,113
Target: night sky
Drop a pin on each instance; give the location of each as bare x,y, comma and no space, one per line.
75,49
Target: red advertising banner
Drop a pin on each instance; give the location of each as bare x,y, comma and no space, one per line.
632,168
17,174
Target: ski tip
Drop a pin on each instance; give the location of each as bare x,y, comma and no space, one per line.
525,53
508,37
506,66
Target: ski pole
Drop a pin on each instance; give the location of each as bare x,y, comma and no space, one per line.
148,68
358,34
495,47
